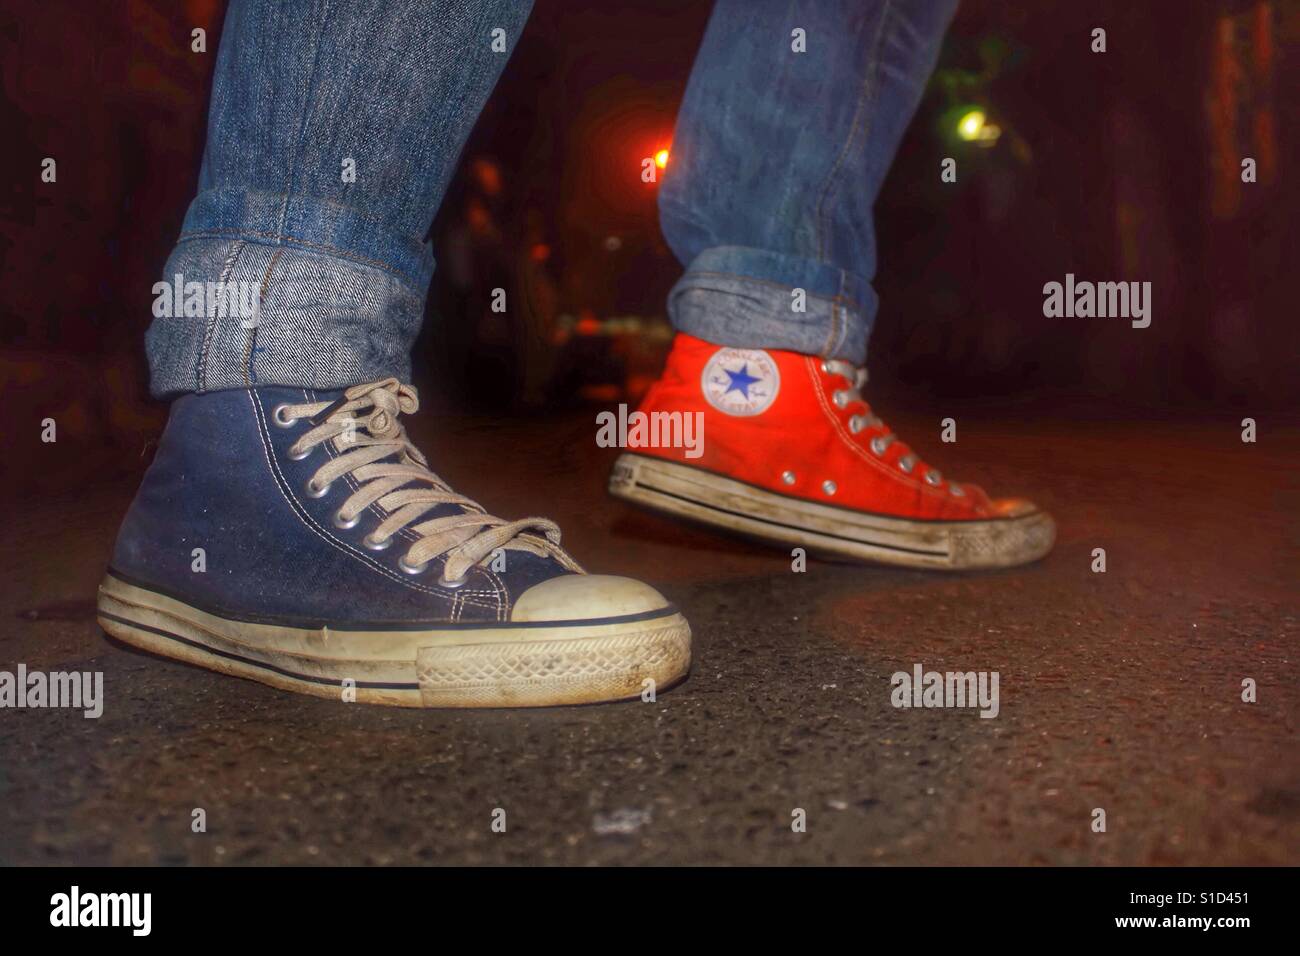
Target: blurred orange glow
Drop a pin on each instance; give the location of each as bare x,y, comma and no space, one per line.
480,221
488,175
661,158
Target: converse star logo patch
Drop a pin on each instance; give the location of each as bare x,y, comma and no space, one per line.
741,381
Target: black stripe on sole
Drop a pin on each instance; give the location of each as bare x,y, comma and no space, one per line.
791,527
228,655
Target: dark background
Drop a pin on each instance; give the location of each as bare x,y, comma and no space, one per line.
1116,166
1122,690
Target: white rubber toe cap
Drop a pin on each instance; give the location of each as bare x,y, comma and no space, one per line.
581,597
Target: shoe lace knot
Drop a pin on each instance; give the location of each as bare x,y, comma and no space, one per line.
370,450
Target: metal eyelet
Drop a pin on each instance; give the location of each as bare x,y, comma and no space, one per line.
878,446
345,523
906,464
840,398
933,479
957,491
411,568
460,582
856,424
313,491
829,487
277,416
300,455
826,367
374,544
787,477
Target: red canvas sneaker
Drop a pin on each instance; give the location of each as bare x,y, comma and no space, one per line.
792,454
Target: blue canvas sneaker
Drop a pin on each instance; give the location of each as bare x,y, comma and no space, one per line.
298,538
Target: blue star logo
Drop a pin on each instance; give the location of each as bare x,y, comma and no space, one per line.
740,381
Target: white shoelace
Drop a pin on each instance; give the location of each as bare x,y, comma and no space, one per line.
405,488
879,443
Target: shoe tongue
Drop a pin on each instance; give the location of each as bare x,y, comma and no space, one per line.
327,412
442,511
323,395
394,457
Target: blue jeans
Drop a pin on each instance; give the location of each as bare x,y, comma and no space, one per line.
776,161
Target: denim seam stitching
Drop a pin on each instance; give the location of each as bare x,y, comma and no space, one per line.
833,336
282,239
868,93
306,117
469,77
775,285
843,335
251,334
210,327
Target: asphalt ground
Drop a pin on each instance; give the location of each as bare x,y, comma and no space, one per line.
1119,691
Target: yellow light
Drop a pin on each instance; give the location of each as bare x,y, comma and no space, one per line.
971,125
661,158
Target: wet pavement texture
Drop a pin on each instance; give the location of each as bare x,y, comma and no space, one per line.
1120,691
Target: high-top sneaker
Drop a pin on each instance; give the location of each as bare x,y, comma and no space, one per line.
298,538
792,454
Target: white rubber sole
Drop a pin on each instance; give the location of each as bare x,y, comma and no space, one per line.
535,664
738,507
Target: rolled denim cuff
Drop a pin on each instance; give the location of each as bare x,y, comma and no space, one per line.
311,224
747,298
317,320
